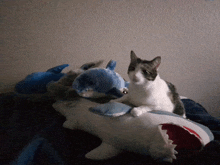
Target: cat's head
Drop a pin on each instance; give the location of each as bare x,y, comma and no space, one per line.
140,71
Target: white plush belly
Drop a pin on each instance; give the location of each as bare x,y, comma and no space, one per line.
142,134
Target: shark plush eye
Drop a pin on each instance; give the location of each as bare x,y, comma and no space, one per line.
125,91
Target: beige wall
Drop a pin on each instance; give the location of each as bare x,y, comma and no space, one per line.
40,34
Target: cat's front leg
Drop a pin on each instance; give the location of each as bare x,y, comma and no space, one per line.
137,111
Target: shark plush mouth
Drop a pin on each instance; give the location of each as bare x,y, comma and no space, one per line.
183,137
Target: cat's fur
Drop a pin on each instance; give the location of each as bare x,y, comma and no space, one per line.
147,91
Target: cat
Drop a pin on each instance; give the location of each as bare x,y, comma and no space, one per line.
147,91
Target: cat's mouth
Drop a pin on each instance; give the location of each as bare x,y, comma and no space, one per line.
135,79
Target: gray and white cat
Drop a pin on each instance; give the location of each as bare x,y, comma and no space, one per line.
147,91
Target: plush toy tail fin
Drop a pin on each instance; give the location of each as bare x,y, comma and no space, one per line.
57,69
111,65
91,65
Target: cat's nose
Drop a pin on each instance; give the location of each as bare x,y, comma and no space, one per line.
135,78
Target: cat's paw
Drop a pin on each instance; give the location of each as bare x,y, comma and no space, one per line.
137,111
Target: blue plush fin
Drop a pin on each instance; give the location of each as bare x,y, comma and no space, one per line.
28,153
34,150
91,65
104,151
111,65
127,84
111,109
57,69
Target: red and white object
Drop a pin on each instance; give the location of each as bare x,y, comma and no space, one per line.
156,133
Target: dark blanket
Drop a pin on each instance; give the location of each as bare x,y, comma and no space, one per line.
32,133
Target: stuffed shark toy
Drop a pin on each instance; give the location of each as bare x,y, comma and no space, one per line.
98,82
159,134
37,82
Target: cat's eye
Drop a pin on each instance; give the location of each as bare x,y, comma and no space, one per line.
145,71
131,68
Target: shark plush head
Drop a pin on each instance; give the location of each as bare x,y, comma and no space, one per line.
98,82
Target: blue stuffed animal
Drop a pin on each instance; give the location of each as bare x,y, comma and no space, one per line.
98,82
35,83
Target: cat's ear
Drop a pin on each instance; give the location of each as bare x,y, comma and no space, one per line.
133,56
156,62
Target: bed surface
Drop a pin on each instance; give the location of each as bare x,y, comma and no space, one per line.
32,133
